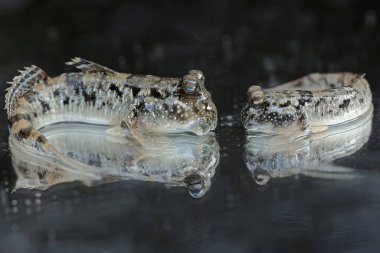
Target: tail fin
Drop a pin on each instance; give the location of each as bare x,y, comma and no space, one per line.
23,83
20,122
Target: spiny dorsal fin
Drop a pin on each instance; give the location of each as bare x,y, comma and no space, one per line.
23,83
89,66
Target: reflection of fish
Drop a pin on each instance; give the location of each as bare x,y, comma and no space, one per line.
274,156
175,160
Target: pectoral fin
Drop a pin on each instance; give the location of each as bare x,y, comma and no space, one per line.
120,134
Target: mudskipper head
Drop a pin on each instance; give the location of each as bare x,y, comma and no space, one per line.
272,112
253,114
199,111
188,107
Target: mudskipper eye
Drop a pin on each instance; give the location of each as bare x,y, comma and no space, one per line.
256,95
189,85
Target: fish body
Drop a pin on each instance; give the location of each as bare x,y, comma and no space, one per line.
276,157
306,105
138,104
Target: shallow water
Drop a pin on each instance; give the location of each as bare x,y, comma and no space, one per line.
241,43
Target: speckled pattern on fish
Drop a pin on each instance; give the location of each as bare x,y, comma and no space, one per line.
309,104
139,104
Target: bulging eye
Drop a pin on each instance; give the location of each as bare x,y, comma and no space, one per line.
189,85
198,74
256,95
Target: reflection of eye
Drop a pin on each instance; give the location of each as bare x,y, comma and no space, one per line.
196,185
261,176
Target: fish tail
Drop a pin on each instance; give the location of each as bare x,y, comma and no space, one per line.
20,119
22,130
21,84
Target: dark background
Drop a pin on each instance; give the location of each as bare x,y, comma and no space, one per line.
236,44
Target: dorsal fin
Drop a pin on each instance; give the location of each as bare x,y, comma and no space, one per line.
89,66
23,83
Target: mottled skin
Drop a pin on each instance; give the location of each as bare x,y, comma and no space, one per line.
309,104
269,157
139,104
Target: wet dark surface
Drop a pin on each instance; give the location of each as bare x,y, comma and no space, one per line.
235,44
